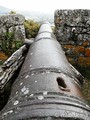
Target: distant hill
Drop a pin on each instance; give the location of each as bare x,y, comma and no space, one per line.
34,15
4,10
38,16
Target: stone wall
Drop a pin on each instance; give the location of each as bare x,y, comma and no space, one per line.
72,29
13,23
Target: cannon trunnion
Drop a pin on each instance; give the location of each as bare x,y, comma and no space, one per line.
47,88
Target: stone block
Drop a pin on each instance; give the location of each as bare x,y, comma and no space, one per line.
72,30
13,23
72,25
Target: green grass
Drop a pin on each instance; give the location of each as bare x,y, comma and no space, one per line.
1,62
85,71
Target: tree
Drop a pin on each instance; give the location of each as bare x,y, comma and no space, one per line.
12,12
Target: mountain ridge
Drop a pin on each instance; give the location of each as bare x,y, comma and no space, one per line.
34,15
4,10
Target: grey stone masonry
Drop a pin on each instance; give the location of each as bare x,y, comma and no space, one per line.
72,26
14,23
72,29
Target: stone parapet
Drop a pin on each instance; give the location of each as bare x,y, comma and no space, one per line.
11,31
72,29
13,23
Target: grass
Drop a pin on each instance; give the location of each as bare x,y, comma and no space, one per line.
86,90
85,71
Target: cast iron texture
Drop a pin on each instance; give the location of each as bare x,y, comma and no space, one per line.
46,88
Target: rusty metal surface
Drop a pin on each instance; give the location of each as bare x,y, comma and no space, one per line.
46,88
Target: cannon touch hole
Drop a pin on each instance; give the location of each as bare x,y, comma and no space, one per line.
62,84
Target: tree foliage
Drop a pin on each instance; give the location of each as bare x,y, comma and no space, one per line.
12,12
31,28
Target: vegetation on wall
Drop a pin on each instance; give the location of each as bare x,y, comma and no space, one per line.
31,28
8,42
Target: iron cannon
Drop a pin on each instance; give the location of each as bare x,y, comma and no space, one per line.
47,87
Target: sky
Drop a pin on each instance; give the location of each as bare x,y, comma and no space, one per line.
45,5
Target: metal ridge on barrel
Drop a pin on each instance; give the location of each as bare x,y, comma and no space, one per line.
47,88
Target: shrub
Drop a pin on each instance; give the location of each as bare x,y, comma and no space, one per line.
31,28
12,12
8,42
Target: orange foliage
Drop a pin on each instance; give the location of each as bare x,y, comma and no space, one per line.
3,56
68,46
84,61
87,52
79,49
75,49
86,43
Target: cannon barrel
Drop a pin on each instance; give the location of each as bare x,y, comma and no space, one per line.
46,88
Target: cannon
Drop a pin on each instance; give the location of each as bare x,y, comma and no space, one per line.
47,87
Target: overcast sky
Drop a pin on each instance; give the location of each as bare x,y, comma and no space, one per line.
45,5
